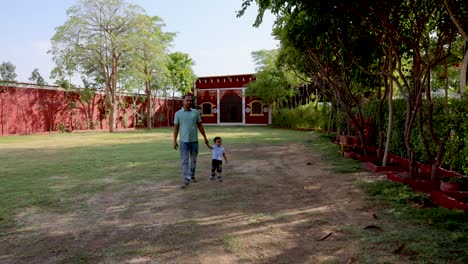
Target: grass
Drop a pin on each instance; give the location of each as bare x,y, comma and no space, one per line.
51,172
232,243
329,153
430,234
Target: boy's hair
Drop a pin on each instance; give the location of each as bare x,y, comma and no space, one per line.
216,138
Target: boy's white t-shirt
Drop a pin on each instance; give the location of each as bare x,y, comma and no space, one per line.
218,152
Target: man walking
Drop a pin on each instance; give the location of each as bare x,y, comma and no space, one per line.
186,121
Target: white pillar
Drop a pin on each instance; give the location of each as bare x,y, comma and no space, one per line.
243,106
218,106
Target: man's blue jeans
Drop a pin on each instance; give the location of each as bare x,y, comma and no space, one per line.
188,151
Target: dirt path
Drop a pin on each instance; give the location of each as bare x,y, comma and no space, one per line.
274,206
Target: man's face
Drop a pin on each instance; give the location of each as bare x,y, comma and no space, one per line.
187,102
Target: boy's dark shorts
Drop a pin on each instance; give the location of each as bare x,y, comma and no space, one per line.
217,165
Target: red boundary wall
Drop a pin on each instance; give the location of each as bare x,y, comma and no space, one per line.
28,109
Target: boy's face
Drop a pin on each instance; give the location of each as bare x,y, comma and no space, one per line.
218,142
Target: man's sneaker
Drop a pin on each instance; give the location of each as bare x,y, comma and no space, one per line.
193,179
185,185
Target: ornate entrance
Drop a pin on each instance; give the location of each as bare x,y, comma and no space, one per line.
231,109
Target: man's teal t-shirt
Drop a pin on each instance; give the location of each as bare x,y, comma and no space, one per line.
187,121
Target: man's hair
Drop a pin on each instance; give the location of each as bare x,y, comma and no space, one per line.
216,138
185,95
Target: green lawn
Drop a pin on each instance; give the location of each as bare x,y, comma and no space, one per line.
51,171
59,172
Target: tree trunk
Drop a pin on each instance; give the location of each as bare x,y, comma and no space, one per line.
464,68
148,105
390,121
167,109
411,110
112,117
446,87
441,143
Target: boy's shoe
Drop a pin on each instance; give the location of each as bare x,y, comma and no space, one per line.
185,185
212,176
219,179
193,179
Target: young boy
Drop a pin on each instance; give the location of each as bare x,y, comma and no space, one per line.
217,162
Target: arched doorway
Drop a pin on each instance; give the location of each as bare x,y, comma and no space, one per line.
231,109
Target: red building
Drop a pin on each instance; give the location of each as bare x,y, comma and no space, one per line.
222,100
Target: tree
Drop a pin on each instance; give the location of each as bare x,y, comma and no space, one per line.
37,78
93,42
7,72
180,75
341,40
323,36
460,20
274,82
149,58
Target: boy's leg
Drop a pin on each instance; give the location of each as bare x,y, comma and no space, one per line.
184,156
220,171
213,169
193,159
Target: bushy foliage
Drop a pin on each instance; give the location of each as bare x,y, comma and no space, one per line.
312,115
451,127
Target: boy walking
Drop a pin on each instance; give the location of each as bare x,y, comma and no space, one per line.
217,162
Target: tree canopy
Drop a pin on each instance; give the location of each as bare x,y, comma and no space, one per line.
7,72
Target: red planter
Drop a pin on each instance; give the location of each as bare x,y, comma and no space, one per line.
451,200
426,170
397,177
449,187
346,140
356,141
417,185
349,154
395,163
424,186
377,168
373,159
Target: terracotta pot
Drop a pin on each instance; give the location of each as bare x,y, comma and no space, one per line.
356,141
346,140
449,187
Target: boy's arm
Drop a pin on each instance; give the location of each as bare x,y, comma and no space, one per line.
225,158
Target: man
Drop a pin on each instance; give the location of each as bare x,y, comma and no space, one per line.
186,120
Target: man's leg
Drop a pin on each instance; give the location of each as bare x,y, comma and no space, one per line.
193,159
184,156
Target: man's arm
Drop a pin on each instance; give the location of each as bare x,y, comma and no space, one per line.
202,131
176,133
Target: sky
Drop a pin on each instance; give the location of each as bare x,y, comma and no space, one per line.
208,30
